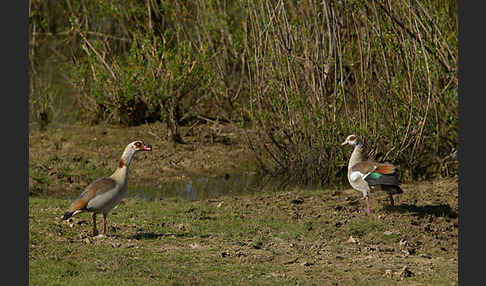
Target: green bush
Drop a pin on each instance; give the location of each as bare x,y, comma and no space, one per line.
304,73
322,72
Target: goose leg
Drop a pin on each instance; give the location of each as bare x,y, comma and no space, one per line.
95,231
392,202
367,204
104,224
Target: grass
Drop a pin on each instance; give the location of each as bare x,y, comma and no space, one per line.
257,239
289,236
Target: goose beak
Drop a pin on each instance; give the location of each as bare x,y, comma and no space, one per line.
344,143
147,147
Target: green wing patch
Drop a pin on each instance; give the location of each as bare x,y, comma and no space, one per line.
374,175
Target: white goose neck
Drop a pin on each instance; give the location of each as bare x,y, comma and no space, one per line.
121,173
128,155
356,156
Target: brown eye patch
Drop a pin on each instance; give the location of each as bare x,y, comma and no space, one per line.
138,144
351,138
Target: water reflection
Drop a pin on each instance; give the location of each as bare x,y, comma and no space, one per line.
197,188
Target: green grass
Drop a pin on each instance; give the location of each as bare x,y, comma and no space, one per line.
39,176
258,239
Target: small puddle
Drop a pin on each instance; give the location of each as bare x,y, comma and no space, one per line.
198,188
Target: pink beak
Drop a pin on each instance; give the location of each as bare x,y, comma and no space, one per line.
147,148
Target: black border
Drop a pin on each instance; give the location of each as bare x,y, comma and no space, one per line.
14,141
15,90
471,107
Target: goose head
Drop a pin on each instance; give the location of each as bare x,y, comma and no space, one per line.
352,140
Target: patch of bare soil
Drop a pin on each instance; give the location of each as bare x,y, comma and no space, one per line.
336,241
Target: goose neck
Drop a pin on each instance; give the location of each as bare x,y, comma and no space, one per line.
356,156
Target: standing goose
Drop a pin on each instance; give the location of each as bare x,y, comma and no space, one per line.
102,195
363,174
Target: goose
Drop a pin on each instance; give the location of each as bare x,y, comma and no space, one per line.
363,173
102,195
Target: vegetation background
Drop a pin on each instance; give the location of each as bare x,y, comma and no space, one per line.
299,76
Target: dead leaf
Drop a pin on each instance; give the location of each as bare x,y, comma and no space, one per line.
403,242
351,239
